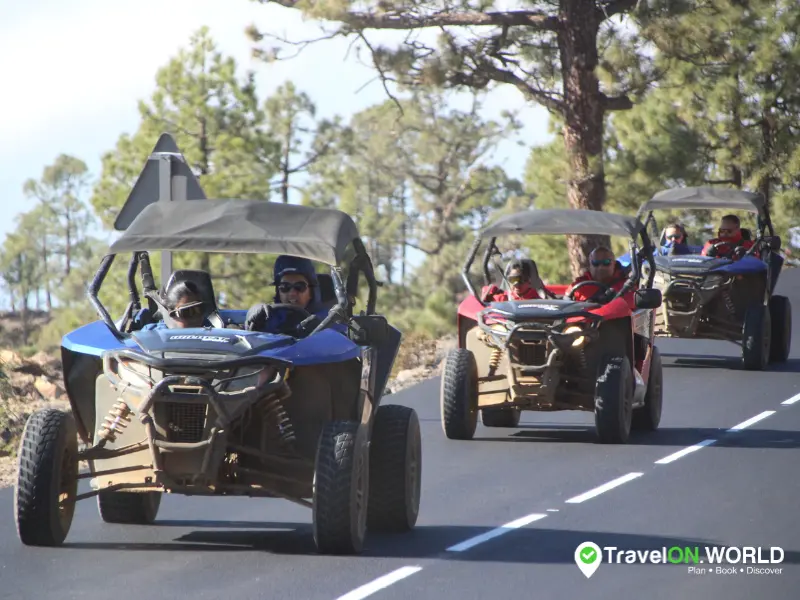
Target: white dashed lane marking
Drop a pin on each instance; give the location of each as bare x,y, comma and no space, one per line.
681,453
604,488
479,539
791,400
380,583
385,581
751,421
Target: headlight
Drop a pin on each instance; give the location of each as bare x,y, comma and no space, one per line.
248,377
134,373
579,340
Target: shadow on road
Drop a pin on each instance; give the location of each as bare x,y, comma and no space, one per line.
528,545
712,361
668,436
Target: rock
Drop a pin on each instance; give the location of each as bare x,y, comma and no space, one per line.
10,358
47,389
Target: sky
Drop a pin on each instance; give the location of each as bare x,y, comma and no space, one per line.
74,72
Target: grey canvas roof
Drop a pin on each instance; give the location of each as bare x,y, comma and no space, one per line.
252,226
704,197
564,221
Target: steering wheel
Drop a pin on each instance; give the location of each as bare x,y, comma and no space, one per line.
605,288
270,309
718,245
287,306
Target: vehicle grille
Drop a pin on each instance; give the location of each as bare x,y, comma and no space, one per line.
529,354
185,422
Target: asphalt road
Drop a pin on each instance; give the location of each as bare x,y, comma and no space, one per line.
501,516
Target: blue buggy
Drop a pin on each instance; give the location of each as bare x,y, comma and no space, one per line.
223,410
720,298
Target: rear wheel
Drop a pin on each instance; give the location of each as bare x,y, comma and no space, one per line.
500,417
129,508
47,478
613,403
459,395
395,466
780,310
341,484
648,417
756,338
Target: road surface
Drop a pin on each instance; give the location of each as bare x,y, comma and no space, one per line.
501,516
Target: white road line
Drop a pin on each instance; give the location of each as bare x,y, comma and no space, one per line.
681,453
756,419
380,583
604,488
792,400
479,539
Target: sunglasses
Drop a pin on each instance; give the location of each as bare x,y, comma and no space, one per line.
603,261
298,286
515,279
187,311
676,236
723,231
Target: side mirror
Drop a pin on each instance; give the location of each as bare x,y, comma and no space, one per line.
773,241
369,330
647,298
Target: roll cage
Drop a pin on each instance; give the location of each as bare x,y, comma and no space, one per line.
239,226
565,222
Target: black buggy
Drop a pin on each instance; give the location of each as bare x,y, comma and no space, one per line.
221,410
719,298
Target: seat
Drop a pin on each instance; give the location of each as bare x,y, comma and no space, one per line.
746,234
203,281
327,293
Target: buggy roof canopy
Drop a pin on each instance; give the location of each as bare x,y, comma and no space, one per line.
252,226
564,221
704,197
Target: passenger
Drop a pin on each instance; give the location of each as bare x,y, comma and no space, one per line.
296,283
605,269
185,305
676,243
521,276
733,245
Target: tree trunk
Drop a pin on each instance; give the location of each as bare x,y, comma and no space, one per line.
583,121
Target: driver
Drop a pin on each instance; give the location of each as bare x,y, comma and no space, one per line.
731,244
295,280
604,268
675,236
521,276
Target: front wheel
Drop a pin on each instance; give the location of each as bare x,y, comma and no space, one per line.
341,484
459,395
47,478
780,310
648,417
395,467
756,338
613,404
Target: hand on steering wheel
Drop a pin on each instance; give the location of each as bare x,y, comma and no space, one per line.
258,316
604,288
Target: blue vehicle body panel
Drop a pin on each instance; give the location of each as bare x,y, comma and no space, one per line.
743,266
326,346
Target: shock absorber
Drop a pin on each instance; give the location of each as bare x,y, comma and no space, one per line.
277,420
494,361
726,297
115,421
